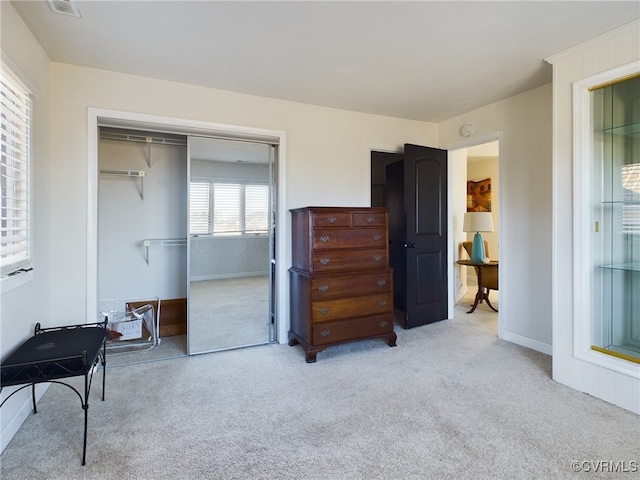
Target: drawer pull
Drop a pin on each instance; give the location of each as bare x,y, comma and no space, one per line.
370,219
324,311
324,261
332,219
382,283
325,333
377,258
383,324
324,238
323,288
382,303
377,237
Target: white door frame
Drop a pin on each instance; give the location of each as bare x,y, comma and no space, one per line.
101,117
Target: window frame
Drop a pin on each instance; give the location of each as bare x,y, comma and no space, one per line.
20,101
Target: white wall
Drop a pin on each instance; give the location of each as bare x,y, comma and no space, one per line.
26,298
130,211
601,54
327,153
524,122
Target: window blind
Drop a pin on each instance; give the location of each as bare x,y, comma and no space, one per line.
226,208
199,215
631,193
256,201
15,126
217,208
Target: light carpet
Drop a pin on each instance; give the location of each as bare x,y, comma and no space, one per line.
451,401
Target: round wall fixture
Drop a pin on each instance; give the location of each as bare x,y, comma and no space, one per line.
466,129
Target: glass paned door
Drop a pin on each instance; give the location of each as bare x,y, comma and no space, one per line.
616,211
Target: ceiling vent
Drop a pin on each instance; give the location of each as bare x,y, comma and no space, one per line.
65,7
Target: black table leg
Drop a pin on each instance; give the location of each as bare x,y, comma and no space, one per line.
480,292
33,397
85,407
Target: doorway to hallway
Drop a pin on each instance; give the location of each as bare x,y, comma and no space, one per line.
472,166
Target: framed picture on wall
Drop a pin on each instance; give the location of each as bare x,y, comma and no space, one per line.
479,195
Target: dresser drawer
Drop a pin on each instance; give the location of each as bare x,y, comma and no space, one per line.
369,219
349,238
331,219
331,260
353,329
328,310
352,285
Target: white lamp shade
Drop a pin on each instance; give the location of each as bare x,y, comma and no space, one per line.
477,222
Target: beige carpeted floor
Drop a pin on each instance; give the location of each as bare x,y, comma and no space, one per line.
226,313
451,401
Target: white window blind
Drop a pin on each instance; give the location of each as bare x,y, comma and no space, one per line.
256,203
15,129
217,208
226,208
631,207
199,212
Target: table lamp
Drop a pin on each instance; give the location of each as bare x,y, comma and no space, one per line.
477,222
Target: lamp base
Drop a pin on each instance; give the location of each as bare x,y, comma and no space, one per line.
477,249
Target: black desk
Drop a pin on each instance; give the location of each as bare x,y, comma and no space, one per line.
56,353
481,295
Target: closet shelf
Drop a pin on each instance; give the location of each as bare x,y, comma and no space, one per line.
139,174
147,138
124,173
161,242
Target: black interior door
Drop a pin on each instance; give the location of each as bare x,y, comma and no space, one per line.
425,201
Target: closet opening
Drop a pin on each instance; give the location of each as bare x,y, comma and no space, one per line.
185,233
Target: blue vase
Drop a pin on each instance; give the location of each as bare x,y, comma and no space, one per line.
477,249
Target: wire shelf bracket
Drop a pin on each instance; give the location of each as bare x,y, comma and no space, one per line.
136,174
161,242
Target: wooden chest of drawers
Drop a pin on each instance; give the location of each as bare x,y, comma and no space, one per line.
341,283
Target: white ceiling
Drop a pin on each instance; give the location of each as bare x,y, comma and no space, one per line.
420,60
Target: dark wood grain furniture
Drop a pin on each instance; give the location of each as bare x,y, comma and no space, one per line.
341,283
57,353
483,292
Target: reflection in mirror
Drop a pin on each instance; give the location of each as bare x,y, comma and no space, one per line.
230,219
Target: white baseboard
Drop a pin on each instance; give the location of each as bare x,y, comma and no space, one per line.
21,414
527,342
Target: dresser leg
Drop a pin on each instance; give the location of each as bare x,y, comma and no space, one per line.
391,341
310,356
